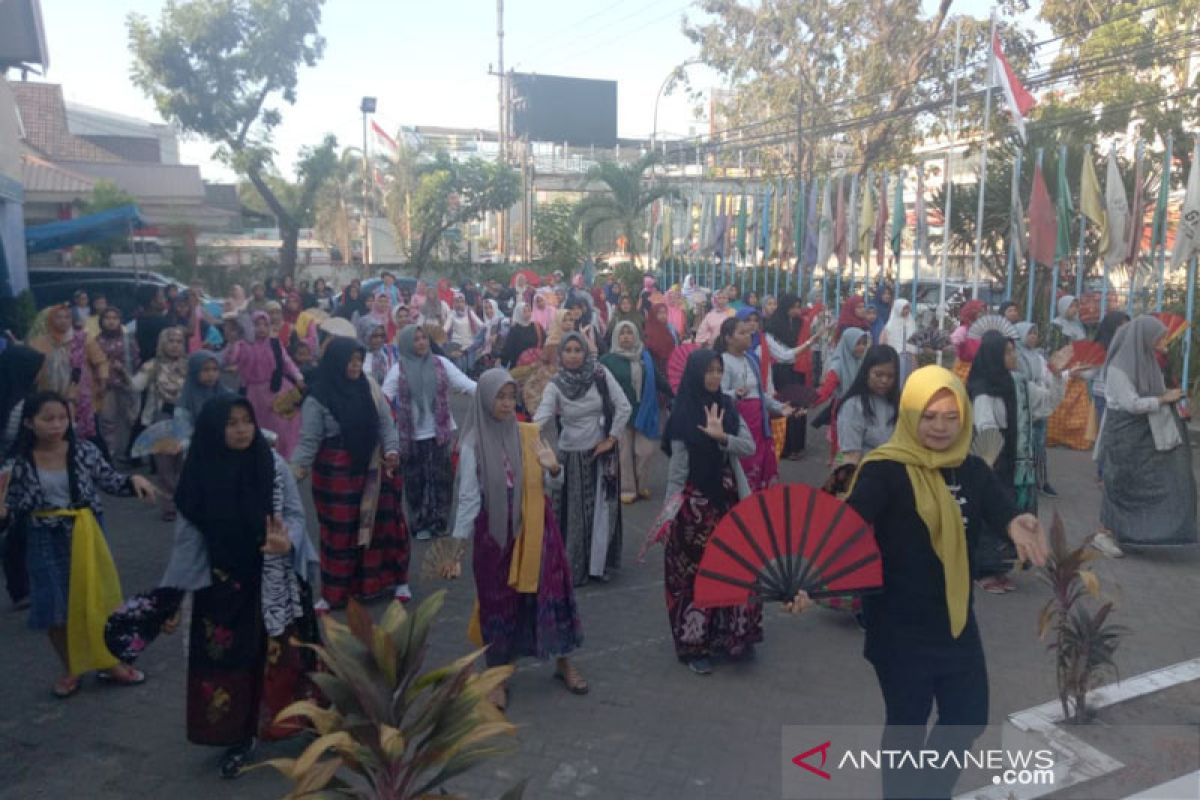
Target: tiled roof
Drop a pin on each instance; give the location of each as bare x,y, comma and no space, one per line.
44,118
40,175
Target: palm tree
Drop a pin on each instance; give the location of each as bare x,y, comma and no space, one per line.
339,203
623,206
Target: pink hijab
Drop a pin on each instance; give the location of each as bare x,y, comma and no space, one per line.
543,315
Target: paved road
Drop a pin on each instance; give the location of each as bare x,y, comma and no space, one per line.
649,729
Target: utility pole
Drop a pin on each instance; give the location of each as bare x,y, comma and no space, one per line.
502,133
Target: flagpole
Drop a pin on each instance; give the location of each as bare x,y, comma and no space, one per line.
1031,271
1062,155
1162,237
949,180
918,206
1135,228
1191,308
1087,153
1015,246
983,159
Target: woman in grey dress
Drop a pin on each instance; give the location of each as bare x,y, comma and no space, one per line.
1149,487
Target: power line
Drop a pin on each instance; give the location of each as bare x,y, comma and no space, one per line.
970,65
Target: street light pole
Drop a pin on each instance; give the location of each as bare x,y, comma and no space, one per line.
367,107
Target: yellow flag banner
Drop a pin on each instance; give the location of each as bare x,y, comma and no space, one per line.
1090,201
94,593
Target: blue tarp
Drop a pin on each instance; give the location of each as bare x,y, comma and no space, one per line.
114,223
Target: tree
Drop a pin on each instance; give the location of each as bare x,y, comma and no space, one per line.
339,203
861,76
447,193
622,208
556,231
217,68
297,199
1128,62
105,195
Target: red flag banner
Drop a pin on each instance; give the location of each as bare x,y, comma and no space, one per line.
1020,101
1043,221
383,140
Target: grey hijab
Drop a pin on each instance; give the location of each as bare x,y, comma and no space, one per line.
843,361
1132,352
497,443
365,326
1028,360
420,374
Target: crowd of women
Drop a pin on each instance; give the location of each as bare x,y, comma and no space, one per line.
352,394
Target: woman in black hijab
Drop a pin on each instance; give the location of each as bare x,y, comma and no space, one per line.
1000,401
348,439
705,438
242,549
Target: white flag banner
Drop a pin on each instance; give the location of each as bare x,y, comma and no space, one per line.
1187,233
1116,206
852,224
825,229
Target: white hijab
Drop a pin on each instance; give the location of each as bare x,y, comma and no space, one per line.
899,328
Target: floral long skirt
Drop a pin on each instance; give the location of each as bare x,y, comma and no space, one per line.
542,624
239,678
700,632
349,569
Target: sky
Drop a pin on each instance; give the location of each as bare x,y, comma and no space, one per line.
426,62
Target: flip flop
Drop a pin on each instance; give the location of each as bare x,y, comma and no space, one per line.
65,687
580,686
132,677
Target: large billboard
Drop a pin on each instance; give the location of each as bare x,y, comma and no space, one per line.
553,108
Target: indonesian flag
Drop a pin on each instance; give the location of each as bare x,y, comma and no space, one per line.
383,141
1020,101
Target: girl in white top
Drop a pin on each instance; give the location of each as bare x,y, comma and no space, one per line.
418,387
462,324
899,329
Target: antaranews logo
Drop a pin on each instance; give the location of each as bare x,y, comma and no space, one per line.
855,761
802,760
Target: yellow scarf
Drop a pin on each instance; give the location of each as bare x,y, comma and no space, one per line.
94,593
526,567
935,504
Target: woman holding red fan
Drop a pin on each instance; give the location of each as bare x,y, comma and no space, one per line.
705,438
928,501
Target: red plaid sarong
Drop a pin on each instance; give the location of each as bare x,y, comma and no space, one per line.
348,570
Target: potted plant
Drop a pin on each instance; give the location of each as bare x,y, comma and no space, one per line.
390,730
1085,642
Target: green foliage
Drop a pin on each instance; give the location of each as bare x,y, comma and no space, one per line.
218,69
1084,642
339,204
105,195
446,193
392,731
621,209
17,313
556,231
1135,61
862,71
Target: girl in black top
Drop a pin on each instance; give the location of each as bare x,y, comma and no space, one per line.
928,500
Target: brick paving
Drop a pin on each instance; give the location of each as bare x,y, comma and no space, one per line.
649,729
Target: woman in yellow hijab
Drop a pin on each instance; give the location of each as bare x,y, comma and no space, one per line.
928,501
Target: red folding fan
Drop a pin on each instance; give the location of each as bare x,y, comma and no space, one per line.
778,541
678,363
1086,354
1176,325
